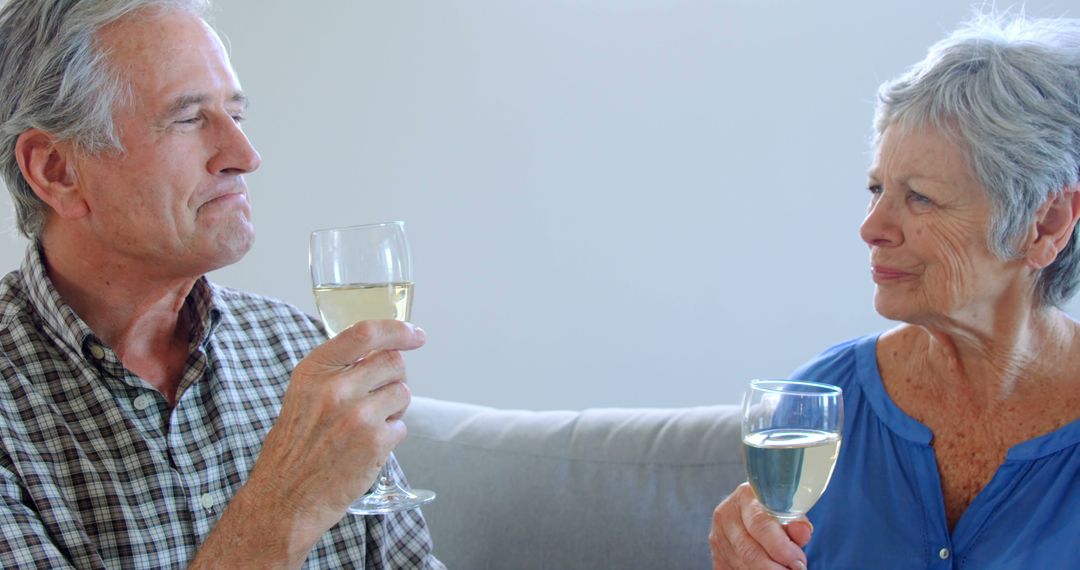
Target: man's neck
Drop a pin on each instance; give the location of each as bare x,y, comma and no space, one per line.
137,313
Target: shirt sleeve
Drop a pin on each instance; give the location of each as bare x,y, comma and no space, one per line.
25,542
835,365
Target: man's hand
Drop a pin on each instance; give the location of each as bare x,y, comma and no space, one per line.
745,536
340,418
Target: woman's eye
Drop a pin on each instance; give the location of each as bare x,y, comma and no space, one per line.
875,189
189,121
919,198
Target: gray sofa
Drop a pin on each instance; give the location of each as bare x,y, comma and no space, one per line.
593,489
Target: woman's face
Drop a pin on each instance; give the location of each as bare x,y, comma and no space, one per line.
927,227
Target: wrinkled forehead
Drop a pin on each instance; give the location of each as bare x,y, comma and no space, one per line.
947,132
153,32
158,52
908,148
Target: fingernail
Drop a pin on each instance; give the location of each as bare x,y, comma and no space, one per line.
798,565
419,332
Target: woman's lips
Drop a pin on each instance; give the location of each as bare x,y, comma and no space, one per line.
883,274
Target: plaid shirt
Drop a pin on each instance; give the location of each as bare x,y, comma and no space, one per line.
97,471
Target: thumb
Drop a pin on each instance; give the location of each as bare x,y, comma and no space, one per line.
799,531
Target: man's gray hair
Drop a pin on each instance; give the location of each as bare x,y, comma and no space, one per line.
1006,88
53,77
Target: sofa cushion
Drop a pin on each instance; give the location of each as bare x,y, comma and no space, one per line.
599,488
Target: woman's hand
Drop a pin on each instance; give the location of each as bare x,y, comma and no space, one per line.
745,536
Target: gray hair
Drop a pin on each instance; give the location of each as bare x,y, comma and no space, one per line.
53,77
1007,89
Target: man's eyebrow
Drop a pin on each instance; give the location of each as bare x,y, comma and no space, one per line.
194,100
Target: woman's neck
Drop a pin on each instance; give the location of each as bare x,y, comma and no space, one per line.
998,361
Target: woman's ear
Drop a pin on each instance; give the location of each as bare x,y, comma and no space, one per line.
49,168
1054,223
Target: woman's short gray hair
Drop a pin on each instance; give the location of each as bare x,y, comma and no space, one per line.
1007,88
53,78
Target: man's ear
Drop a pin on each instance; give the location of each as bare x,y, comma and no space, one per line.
1054,223
49,168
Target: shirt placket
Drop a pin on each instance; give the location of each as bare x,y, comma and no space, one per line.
982,507
194,450
144,410
939,542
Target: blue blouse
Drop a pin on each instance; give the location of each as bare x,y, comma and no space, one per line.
884,509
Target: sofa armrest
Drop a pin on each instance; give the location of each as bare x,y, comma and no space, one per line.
599,488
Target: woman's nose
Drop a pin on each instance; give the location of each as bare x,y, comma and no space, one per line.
881,227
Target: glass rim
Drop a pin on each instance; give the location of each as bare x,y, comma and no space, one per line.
358,227
761,384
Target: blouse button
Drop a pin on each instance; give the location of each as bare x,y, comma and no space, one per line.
207,501
96,351
943,554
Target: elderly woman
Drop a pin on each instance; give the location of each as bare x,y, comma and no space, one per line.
961,440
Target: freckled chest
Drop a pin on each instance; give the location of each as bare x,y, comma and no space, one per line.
970,444
968,450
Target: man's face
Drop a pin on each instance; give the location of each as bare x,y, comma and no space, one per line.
174,202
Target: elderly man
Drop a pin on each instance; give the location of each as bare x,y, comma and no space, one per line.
144,414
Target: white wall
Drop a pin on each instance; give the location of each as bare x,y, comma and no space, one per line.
618,203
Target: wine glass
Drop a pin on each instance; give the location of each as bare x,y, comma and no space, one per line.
791,438
361,273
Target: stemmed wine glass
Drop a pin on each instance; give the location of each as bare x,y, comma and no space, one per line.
791,438
362,273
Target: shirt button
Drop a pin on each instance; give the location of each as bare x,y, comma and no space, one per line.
144,401
207,501
943,554
96,351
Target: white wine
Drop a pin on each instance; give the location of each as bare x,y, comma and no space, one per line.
343,305
790,468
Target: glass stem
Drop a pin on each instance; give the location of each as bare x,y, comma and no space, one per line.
385,482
